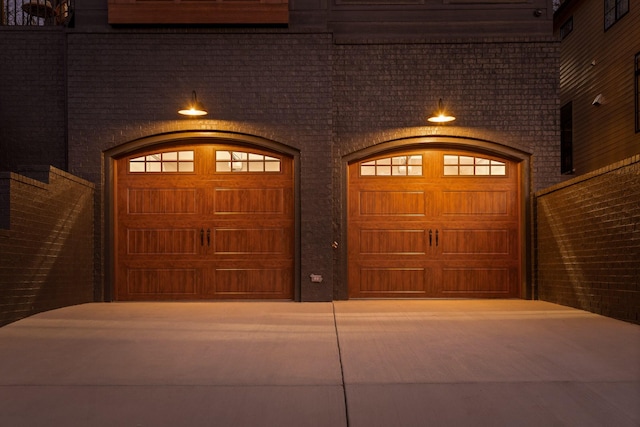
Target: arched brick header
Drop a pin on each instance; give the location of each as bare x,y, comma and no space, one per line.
443,141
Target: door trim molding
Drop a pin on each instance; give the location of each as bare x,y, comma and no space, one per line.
110,156
476,145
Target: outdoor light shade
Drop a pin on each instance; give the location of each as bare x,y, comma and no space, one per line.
440,116
194,108
38,8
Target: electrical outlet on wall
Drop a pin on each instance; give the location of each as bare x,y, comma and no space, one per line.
316,278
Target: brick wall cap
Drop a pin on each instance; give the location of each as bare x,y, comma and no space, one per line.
373,39
587,176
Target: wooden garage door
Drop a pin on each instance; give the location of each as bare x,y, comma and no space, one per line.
204,222
434,224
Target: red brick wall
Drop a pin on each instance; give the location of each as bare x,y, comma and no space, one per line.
588,242
46,243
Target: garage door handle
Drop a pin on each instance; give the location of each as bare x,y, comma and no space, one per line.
208,237
430,237
202,237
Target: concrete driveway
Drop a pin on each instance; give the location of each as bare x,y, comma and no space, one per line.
347,363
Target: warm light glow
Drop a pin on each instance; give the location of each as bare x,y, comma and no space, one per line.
440,116
195,108
192,111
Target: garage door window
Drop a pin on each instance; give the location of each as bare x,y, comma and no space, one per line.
472,166
393,166
240,161
171,161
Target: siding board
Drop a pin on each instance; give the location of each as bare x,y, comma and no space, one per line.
200,12
597,62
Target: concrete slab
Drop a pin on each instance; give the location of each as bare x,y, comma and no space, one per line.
523,404
174,344
173,364
398,363
158,406
415,363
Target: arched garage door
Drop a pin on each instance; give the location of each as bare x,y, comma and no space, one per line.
434,224
204,222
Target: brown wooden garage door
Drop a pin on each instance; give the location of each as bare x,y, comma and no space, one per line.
434,224
204,222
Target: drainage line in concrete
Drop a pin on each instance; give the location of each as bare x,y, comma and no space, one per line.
344,387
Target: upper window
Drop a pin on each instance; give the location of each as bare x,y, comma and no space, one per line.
240,161
566,28
393,166
36,12
637,60
613,11
455,165
171,161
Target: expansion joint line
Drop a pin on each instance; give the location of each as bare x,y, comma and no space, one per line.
344,387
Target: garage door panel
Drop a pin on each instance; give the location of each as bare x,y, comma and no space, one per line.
271,241
478,281
161,201
392,203
459,222
249,282
476,203
162,241
204,234
163,281
391,281
404,242
249,201
478,242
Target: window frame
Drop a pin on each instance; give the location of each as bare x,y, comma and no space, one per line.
566,139
396,166
237,161
184,162
637,90
566,28
469,165
614,8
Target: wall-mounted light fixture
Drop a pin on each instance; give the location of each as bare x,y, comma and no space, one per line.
194,108
598,100
440,115
38,8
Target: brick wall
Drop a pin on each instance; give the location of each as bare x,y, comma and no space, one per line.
305,91
46,243
501,89
32,97
274,85
588,242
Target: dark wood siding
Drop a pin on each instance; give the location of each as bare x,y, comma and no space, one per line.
199,12
351,18
595,62
407,18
